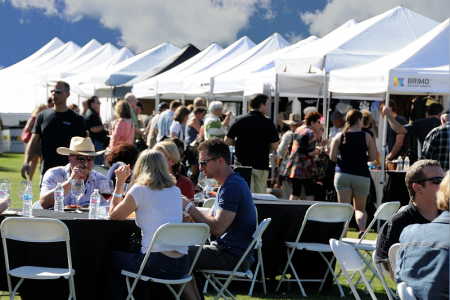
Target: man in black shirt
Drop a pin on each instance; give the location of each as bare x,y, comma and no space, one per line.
95,126
397,143
420,127
422,180
54,128
254,135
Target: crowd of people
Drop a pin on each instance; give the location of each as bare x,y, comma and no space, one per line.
162,162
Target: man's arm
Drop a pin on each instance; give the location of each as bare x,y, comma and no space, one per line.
397,146
138,131
4,204
98,128
396,126
273,146
30,152
218,225
229,141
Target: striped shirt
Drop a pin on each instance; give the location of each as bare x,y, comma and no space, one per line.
214,127
436,146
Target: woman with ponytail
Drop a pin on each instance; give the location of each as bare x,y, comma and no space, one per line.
351,150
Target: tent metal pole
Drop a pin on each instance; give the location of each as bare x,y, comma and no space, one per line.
325,109
383,158
275,115
183,98
244,105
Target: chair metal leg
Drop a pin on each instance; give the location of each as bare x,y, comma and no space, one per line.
254,278
368,286
388,290
13,293
330,268
173,291
205,289
213,284
285,268
298,279
130,295
350,283
72,285
263,276
224,287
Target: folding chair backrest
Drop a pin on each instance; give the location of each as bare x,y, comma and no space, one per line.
393,255
209,203
34,230
329,212
263,196
386,210
405,292
181,234
346,255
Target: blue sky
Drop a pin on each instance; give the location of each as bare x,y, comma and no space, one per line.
27,25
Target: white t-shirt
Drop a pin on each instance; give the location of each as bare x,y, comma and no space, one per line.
176,127
155,208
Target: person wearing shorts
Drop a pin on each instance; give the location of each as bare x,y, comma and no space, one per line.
352,180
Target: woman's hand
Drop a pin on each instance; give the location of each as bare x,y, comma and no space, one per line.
122,173
325,142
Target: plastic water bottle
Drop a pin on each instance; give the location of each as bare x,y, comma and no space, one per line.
3,191
406,164
27,202
94,205
59,198
399,163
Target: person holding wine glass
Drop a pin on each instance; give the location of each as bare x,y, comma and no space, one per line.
81,153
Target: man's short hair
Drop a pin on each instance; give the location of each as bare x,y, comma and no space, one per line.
128,95
175,104
415,174
392,104
66,85
216,148
199,101
163,105
199,109
257,99
49,100
91,100
435,109
213,106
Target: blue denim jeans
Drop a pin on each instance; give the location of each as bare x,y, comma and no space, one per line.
98,147
158,265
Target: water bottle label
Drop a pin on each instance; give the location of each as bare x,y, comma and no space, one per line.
95,201
27,197
59,194
3,194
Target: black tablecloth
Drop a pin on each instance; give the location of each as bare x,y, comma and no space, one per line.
91,240
395,188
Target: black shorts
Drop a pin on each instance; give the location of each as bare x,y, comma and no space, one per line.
215,257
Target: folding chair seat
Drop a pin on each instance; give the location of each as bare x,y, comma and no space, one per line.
349,261
171,234
366,247
320,212
221,288
37,230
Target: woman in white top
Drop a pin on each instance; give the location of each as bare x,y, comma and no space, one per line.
156,201
178,126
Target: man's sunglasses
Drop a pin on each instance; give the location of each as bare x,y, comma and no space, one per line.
435,180
56,91
83,158
203,163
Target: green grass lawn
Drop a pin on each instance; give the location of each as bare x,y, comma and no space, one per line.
11,164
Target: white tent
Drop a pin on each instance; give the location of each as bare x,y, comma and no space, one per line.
203,82
364,42
86,62
147,88
174,84
135,66
81,83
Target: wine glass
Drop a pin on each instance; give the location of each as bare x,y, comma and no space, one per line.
5,188
126,188
106,188
202,182
23,185
77,190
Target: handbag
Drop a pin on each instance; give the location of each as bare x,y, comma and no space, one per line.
25,136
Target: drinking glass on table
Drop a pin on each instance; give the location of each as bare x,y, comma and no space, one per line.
126,188
202,183
5,188
106,189
77,190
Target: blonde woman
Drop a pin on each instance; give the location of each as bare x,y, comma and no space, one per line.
172,156
122,128
29,128
156,201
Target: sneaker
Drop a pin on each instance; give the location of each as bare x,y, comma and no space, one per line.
361,233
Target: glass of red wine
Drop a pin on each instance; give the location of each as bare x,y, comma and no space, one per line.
106,189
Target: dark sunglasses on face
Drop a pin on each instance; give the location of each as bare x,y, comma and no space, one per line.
83,158
435,180
203,163
56,91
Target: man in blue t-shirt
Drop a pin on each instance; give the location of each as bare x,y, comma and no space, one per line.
232,219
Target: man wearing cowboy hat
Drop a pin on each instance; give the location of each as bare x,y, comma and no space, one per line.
284,150
81,154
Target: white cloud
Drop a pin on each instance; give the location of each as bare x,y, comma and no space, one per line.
338,12
146,23
293,38
2,67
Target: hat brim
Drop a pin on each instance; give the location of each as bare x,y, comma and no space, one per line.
291,122
67,151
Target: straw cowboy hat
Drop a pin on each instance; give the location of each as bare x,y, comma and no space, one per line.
80,146
294,119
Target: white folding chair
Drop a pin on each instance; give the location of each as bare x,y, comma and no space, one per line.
209,203
349,261
393,255
171,234
383,213
37,230
381,273
210,275
320,212
405,292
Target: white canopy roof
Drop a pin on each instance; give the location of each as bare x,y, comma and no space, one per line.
200,83
135,66
364,42
81,83
420,67
86,62
147,88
